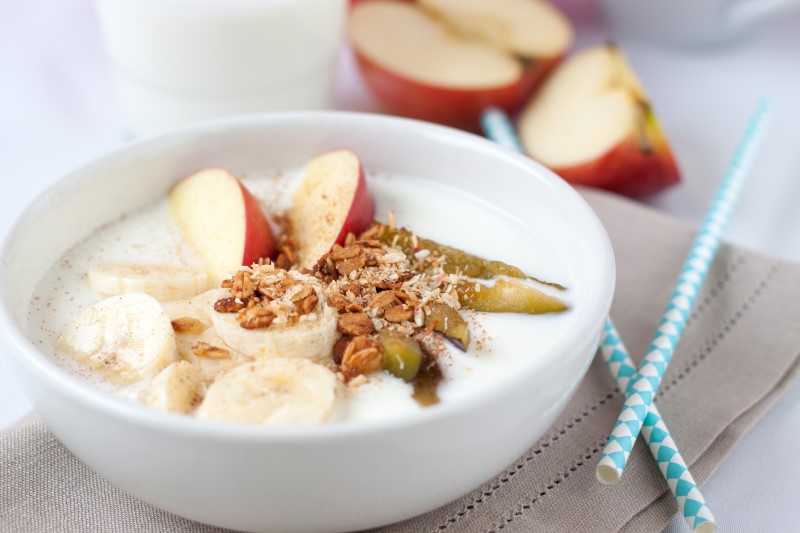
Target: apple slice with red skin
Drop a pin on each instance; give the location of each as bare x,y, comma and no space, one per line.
592,124
331,201
222,222
447,61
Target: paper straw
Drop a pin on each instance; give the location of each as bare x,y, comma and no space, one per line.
691,502
664,450
644,384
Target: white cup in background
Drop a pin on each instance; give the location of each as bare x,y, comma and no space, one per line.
690,22
179,61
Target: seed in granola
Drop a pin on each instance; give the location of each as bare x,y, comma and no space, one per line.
361,356
228,305
187,324
308,304
227,283
283,261
346,266
398,313
339,348
243,285
338,253
374,232
256,317
349,239
287,283
351,287
371,243
338,301
302,294
383,299
355,324
354,308
204,349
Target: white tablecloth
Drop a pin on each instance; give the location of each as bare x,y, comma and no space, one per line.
58,109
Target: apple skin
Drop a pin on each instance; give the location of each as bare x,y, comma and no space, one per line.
224,244
318,221
461,108
628,169
362,210
258,240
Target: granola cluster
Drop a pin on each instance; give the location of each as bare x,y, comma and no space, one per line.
376,288
266,294
388,302
382,293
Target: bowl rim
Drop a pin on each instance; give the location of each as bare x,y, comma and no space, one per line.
598,302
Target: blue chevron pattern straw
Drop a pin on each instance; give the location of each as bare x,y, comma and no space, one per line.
664,450
644,384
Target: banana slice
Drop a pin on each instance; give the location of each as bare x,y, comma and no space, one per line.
198,307
209,355
162,282
275,392
127,337
197,341
312,337
175,389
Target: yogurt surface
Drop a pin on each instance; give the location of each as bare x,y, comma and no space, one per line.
502,342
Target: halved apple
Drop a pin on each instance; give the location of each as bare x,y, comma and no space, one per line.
222,221
448,60
331,201
592,124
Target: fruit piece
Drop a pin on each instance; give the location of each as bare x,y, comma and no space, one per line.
195,313
507,296
527,28
402,356
126,337
162,282
331,201
222,221
592,124
197,307
447,321
447,61
427,383
210,363
311,338
175,389
457,261
275,392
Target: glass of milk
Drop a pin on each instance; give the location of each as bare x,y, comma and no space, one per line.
180,61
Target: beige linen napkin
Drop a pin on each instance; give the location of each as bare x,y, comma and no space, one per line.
738,354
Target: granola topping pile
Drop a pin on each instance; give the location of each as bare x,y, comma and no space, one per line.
375,287
380,293
264,295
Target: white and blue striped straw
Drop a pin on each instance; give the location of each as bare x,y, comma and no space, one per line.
690,500
672,465
644,384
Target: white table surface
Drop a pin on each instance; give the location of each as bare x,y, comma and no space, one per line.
58,109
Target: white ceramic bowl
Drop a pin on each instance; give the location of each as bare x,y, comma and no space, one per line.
338,477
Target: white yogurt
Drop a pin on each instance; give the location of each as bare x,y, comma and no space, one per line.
501,342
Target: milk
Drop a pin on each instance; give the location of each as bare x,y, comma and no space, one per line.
501,343
179,61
